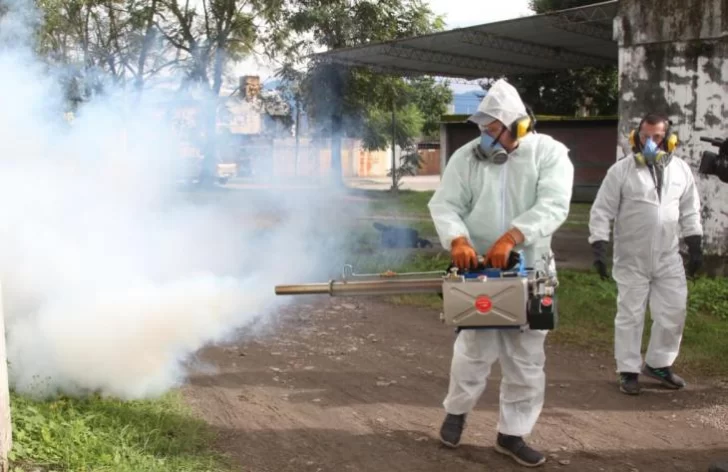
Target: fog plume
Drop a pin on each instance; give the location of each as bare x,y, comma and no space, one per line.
111,275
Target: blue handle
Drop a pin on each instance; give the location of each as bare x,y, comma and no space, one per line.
492,273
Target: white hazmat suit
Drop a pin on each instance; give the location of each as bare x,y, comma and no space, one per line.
481,200
647,264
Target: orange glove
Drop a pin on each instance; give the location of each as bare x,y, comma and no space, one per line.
463,254
500,251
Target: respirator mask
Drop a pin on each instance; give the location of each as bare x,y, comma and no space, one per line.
652,154
490,149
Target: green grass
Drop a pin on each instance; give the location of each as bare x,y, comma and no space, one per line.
404,202
107,435
578,216
411,203
587,306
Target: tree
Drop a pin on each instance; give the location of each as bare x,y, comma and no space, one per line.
129,41
206,37
396,128
591,90
343,100
113,39
415,111
432,100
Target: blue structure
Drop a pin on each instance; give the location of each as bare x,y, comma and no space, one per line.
467,103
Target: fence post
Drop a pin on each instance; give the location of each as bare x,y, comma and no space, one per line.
6,432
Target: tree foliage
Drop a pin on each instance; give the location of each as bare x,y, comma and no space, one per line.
432,99
408,121
344,23
591,90
132,40
351,101
113,39
209,34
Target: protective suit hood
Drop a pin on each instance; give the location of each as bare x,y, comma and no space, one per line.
502,103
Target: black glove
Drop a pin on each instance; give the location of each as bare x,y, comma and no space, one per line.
599,249
695,254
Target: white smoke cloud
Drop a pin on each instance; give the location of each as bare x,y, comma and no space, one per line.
111,276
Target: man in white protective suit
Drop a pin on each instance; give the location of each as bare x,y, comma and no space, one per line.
651,198
508,190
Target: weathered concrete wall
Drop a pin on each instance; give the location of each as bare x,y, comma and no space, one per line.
673,59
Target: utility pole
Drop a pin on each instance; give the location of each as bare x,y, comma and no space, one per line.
394,147
297,128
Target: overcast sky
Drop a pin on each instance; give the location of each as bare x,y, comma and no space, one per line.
458,14
462,13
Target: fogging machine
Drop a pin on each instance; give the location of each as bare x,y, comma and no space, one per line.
480,298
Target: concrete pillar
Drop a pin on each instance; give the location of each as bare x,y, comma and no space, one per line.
673,59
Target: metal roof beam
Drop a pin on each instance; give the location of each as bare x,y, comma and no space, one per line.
587,22
401,71
481,38
458,60
585,30
373,50
585,15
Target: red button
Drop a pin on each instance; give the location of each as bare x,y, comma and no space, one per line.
546,301
483,304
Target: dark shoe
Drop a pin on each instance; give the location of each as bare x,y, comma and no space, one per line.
452,429
665,376
516,448
719,467
628,383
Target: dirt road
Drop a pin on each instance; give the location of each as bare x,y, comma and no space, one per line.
357,385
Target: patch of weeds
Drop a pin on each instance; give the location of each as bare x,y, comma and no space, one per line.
96,434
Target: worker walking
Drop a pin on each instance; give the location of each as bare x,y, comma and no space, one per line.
652,199
507,190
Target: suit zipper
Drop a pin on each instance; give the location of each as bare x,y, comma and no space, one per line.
504,179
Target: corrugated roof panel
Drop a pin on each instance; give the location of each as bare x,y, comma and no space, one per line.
574,38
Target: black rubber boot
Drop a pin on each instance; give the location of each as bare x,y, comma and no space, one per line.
452,429
519,451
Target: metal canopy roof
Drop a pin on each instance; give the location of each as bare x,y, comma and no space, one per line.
566,39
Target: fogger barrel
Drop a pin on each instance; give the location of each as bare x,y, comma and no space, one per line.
364,287
483,298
